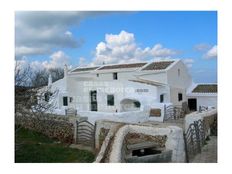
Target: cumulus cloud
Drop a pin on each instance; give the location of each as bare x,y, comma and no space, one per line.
38,33
189,62
57,60
122,48
212,53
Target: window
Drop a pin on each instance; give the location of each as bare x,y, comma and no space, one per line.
161,98
110,100
47,96
179,72
65,101
70,99
180,97
115,76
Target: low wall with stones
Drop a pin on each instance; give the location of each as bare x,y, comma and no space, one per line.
53,126
116,134
102,129
174,141
207,116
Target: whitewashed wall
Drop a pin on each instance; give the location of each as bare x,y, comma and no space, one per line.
108,75
80,91
157,76
207,101
161,107
179,83
126,117
139,116
175,140
183,80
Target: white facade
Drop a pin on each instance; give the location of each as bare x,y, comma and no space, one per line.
113,90
203,99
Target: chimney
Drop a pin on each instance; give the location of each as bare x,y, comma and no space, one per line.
65,70
65,77
50,80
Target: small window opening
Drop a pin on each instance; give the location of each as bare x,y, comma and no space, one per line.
180,97
115,76
110,100
161,98
65,101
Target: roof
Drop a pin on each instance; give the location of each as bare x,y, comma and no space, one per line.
161,65
84,69
205,88
148,82
157,65
120,66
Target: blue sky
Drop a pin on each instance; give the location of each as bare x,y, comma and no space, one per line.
89,38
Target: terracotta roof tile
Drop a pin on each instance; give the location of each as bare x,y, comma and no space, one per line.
120,66
205,88
158,65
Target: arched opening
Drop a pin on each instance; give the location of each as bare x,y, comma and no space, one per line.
130,105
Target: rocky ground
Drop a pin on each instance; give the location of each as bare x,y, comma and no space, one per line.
208,153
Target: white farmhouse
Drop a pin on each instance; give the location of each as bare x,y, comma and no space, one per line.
119,88
202,96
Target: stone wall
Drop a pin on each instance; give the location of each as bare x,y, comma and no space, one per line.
210,123
58,127
207,116
102,129
111,149
174,142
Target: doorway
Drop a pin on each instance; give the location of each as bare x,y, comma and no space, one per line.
93,100
192,104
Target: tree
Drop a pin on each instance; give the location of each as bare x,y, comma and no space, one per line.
33,98
32,95
40,78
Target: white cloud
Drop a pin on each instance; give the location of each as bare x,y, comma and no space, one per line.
58,59
159,51
122,48
212,53
38,33
189,62
122,38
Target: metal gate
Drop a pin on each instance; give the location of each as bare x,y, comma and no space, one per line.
173,113
85,133
194,139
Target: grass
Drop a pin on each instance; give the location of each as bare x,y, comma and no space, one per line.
33,147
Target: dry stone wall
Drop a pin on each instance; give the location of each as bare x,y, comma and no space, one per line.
57,127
